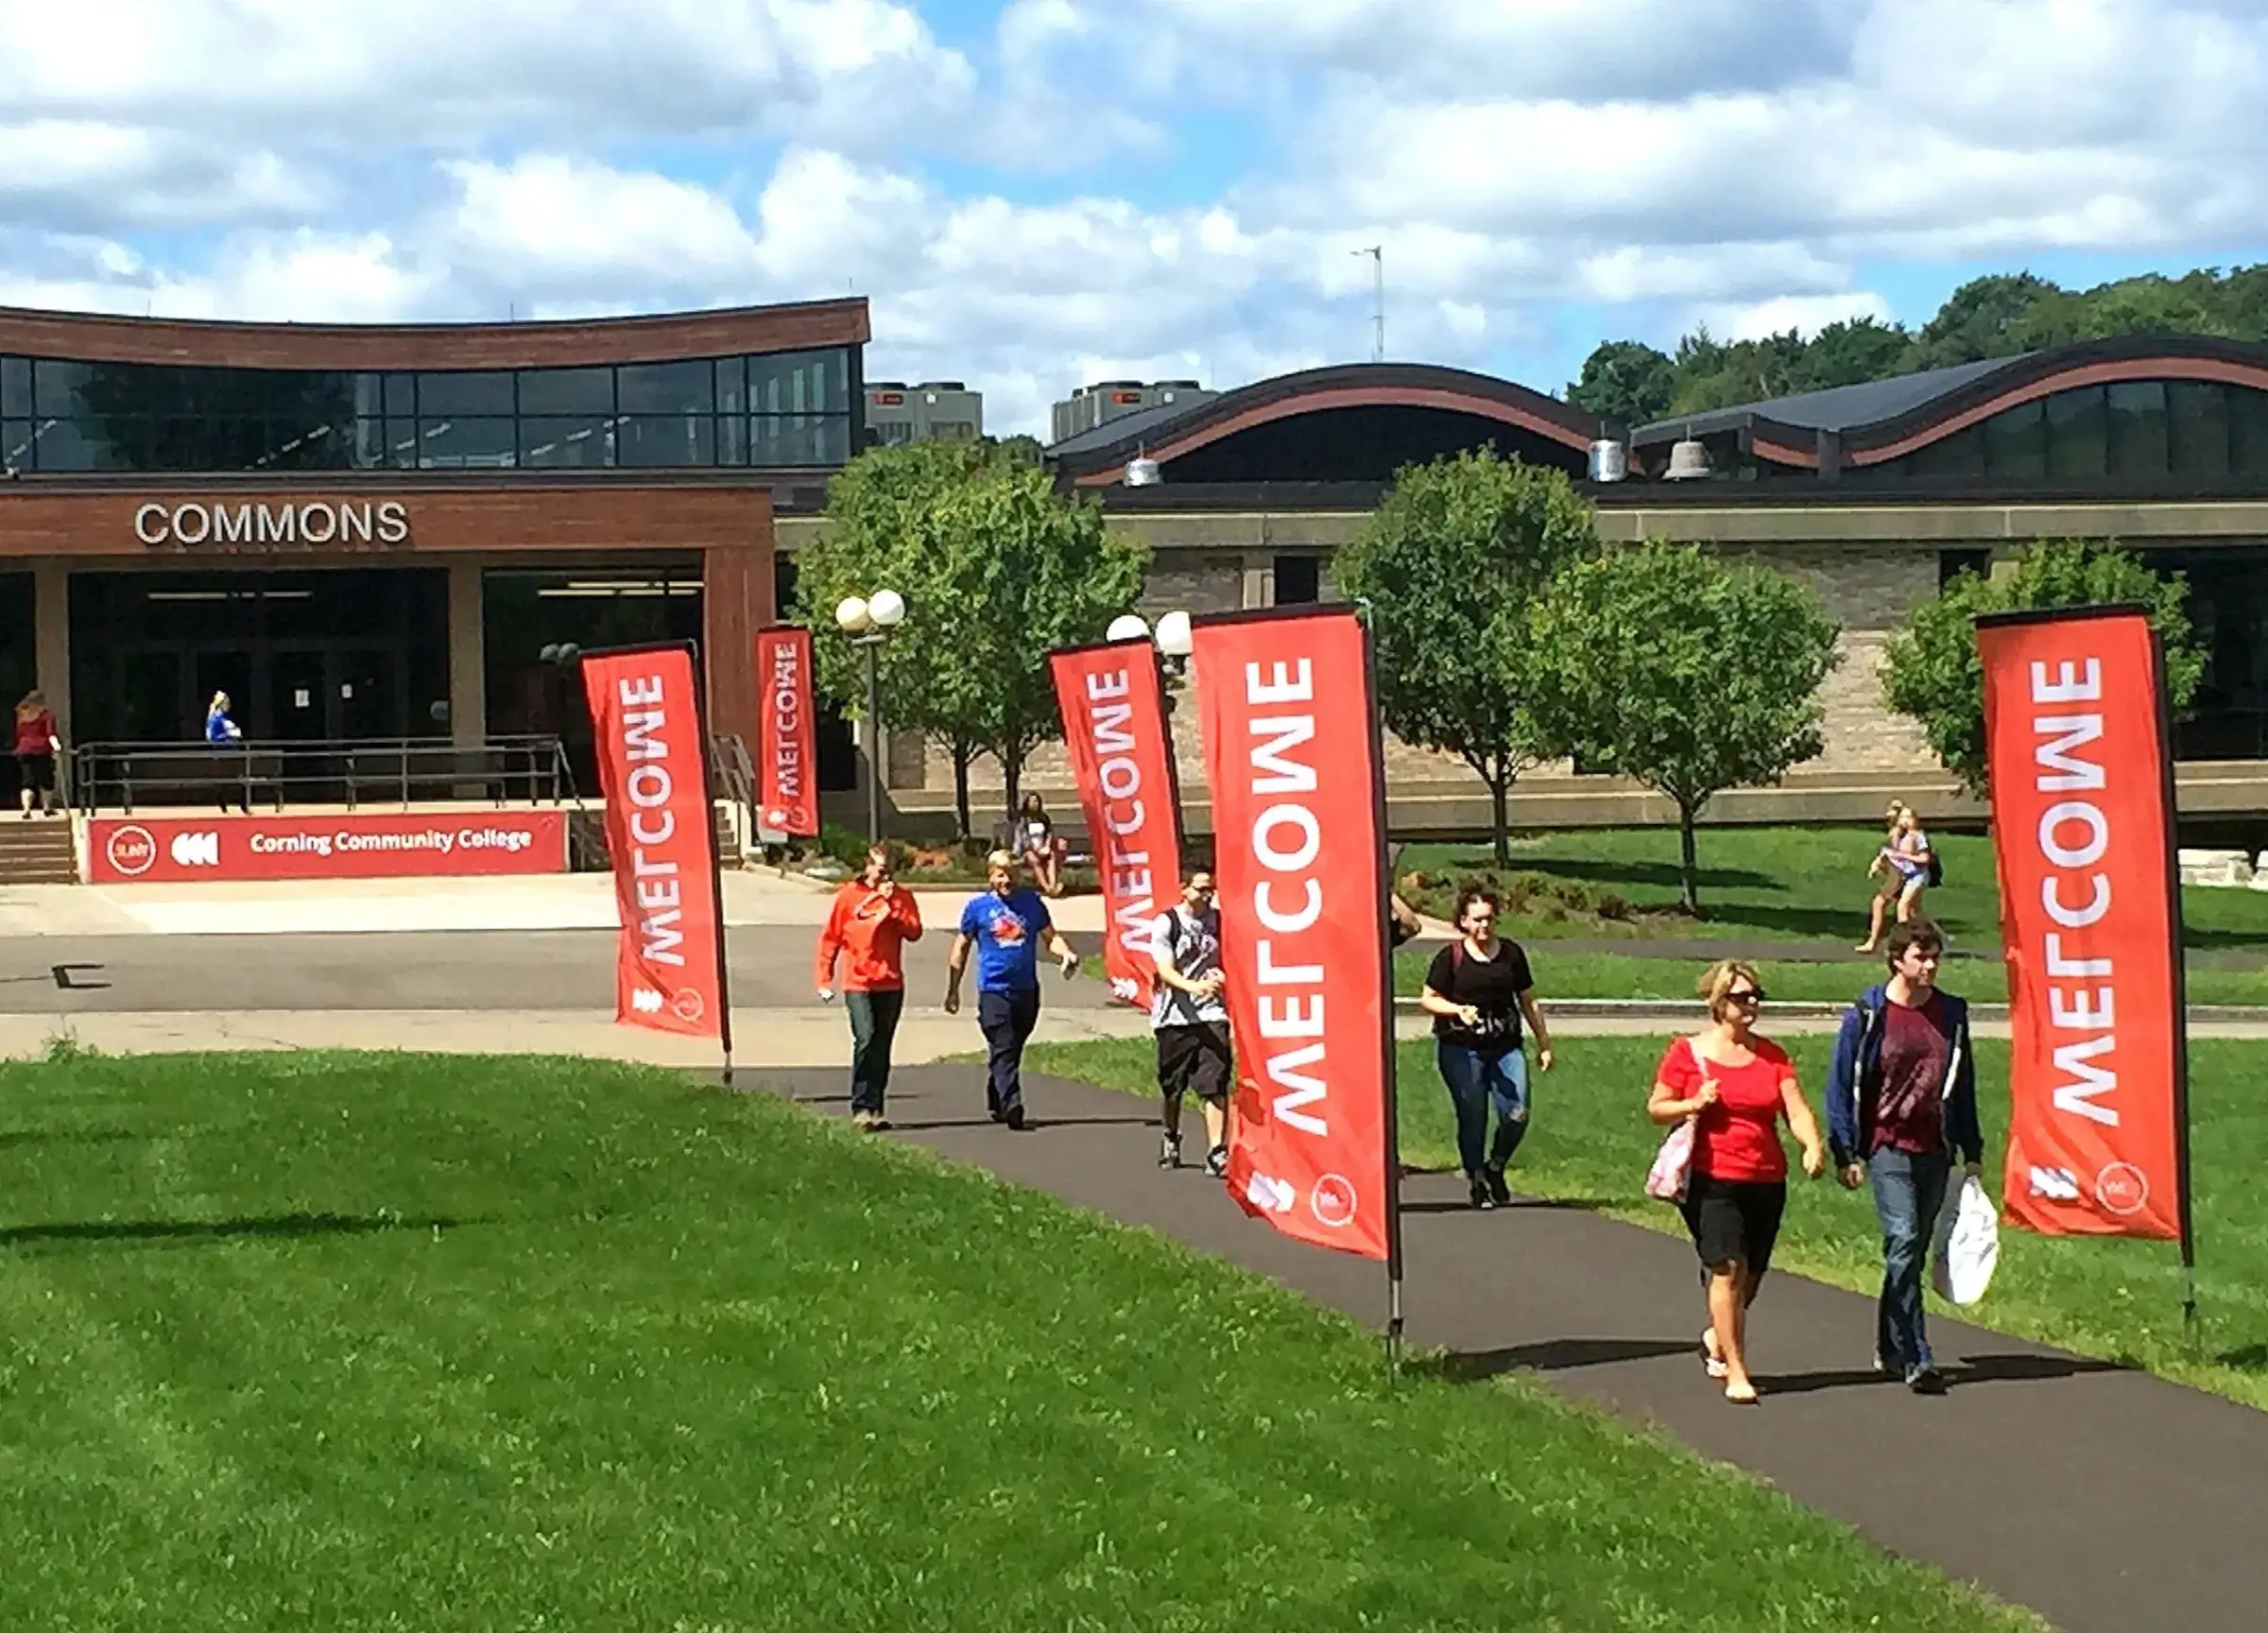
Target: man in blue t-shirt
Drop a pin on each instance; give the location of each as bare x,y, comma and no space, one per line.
1005,925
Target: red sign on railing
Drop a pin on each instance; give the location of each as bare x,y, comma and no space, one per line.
336,845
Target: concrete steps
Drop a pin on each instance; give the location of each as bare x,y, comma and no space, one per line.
40,852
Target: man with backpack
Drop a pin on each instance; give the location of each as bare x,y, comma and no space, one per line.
1191,1020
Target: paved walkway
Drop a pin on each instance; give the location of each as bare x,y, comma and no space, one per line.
2107,1500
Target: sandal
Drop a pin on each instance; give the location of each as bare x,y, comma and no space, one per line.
1712,1362
1740,1394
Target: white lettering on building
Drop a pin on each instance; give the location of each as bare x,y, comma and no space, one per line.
315,522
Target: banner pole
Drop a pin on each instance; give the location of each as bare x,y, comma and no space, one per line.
1383,917
2175,936
716,863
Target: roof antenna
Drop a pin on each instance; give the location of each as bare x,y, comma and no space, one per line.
1378,344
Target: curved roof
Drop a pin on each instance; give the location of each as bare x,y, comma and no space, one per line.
1883,420
87,337
1098,457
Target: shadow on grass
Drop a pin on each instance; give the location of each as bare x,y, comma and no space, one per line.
279,1226
14,1137
2252,1358
1550,1355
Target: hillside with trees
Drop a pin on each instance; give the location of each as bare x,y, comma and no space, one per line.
1628,383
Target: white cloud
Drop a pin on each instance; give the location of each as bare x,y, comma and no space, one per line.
1804,314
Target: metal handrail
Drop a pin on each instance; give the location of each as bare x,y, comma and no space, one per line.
359,767
735,771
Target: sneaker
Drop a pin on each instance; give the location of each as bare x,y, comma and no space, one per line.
1169,1152
1499,1192
1478,1190
1217,1162
1925,1380
1014,1118
865,1120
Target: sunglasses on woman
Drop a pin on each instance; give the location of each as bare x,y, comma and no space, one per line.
1745,996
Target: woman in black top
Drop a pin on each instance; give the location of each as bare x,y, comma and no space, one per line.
1476,991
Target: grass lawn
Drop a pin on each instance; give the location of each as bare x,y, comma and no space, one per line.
1775,883
1628,976
397,1342
2117,1299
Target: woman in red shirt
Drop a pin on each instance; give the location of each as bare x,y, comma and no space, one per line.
37,745
1736,1086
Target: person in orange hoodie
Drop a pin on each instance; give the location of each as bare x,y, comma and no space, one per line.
872,920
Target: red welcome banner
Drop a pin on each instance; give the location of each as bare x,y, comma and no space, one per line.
787,763
1291,748
1114,732
653,768
344,845
2091,914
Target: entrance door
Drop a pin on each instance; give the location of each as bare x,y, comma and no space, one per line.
298,707
366,689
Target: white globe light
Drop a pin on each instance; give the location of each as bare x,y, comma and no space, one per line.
887,609
1173,635
853,615
1127,626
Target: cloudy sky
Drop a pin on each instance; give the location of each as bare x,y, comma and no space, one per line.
1041,192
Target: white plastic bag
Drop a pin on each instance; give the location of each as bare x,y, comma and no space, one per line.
1969,1242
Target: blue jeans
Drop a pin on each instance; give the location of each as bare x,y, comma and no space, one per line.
1909,1191
1476,1079
1007,1020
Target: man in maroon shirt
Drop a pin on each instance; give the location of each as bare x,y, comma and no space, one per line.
1902,1101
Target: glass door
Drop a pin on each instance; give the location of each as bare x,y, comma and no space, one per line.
365,694
297,710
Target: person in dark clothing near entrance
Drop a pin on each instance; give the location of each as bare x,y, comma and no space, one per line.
1477,990
1005,926
1902,1105
872,918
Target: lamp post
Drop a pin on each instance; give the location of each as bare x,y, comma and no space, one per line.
1171,637
868,620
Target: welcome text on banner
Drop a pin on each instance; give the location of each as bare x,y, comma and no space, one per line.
1120,756
788,759
1294,768
2090,917
652,749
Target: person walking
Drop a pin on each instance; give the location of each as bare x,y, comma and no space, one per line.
39,745
1906,865
1737,1086
1190,1016
1476,990
872,920
1004,926
1901,1104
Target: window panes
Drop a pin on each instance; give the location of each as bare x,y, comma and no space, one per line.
15,443
732,384
800,383
2248,432
666,388
798,439
2016,443
443,396
470,442
2137,430
2078,435
16,387
560,442
401,396
1960,455
658,440
567,392
54,386
2197,429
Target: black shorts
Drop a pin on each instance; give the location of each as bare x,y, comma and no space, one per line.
1734,1219
1193,1060
36,773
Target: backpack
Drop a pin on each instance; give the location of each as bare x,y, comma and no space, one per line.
1936,869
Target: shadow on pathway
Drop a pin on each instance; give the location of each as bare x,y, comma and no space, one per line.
2103,1498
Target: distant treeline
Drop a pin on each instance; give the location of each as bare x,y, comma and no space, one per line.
1629,384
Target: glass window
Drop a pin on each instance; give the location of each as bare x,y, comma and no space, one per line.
2197,428
401,443
54,386
1299,580
732,438
15,443
1960,455
78,445
666,388
648,439
369,444
369,394
401,396
2247,432
2015,442
1952,563
2137,429
470,443
15,386
567,392
445,396
800,383
732,384
2078,435
567,441
799,439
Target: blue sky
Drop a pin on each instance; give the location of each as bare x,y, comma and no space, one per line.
1042,192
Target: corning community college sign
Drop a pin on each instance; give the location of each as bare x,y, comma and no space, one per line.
260,524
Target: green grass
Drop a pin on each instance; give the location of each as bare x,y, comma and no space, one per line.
1630,976
1775,883
2116,1299
392,1342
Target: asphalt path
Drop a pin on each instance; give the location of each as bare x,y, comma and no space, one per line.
2105,1499
470,971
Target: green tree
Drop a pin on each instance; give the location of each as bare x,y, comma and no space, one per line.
1666,665
1449,570
997,567
1854,351
1932,672
1625,383
1982,319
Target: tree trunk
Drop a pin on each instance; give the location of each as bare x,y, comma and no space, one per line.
1499,799
962,820
1011,772
1687,865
